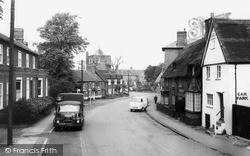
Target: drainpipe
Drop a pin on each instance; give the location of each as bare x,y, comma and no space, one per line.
235,74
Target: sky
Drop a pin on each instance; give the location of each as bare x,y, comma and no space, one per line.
136,30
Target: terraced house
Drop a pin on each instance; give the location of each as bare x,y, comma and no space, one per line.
30,81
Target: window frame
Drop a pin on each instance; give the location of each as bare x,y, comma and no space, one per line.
27,88
19,59
33,62
8,56
27,60
21,87
40,87
1,95
1,54
218,71
208,73
209,99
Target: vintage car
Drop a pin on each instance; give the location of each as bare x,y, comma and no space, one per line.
69,111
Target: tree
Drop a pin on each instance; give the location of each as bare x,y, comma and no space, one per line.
1,10
62,40
149,73
116,63
152,72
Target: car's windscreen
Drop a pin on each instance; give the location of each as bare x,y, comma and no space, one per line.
136,99
69,108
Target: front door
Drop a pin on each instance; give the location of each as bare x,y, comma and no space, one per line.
221,106
207,119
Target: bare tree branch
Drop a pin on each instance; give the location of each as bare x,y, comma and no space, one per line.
116,63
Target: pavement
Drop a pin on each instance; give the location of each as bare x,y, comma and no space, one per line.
215,142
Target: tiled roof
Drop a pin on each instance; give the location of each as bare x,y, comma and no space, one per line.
234,36
87,76
16,43
109,75
190,55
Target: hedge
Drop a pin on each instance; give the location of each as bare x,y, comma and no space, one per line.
28,111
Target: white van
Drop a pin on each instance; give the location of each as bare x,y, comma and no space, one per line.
138,103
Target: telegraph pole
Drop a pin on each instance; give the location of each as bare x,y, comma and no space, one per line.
81,76
11,77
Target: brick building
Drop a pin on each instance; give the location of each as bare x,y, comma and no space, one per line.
30,81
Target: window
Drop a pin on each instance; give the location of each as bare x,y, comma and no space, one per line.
115,82
173,99
218,72
173,83
210,99
34,62
193,70
27,88
19,59
212,41
1,54
165,100
1,95
40,87
109,81
27,60
174,65
193,102
46,93
18,88
7,93
197,102
8,56
189,101
208,72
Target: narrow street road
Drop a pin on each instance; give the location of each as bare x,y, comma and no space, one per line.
112,130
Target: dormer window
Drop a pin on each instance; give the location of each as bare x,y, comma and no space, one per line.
174,65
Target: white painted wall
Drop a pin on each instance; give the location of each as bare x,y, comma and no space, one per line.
226,85
214,53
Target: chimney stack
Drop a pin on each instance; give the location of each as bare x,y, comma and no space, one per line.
18,34
181,38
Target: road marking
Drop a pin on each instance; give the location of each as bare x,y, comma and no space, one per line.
43,146
52,129
83,145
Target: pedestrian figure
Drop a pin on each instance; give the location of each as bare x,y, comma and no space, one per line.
155,99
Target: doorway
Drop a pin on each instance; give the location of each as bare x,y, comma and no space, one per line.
207,119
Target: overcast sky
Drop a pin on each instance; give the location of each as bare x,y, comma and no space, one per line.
133,29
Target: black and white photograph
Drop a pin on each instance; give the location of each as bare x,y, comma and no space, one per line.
124,78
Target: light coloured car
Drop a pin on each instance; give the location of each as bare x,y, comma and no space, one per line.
138,103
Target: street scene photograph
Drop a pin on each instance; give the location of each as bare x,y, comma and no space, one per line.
124,78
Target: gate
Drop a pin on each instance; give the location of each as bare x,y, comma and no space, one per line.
241,121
